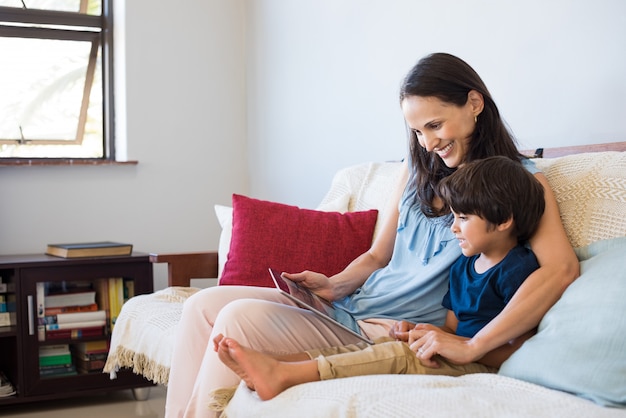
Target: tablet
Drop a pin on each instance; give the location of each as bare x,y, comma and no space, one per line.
306,299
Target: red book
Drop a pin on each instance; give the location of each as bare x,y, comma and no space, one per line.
66,309
76,333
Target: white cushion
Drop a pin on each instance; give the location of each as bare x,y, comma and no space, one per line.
225,218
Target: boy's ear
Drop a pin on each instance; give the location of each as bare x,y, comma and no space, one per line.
508,224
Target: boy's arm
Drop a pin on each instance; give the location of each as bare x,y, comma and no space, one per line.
451,322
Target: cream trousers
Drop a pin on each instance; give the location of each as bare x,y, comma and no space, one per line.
385,357
256,317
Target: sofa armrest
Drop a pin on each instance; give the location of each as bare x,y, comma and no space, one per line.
182,267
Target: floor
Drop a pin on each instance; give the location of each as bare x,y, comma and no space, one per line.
119,404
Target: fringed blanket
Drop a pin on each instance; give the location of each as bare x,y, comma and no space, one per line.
143,336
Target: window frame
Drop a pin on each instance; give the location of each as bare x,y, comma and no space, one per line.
63,18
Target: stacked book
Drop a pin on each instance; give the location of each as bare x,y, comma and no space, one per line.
90,356
55,361
7,309
6,388
69,315
7,304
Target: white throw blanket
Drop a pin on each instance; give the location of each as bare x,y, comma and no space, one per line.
145,333
475,395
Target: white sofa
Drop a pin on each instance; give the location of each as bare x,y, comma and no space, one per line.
574,366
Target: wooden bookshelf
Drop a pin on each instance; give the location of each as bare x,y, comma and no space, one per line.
20,343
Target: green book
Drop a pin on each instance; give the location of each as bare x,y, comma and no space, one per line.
55,360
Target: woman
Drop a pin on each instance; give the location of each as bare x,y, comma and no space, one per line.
401,280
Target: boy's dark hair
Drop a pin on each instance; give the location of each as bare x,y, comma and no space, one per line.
496,189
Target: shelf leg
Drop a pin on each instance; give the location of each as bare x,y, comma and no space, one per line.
141,394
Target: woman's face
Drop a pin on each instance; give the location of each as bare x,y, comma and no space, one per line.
442,128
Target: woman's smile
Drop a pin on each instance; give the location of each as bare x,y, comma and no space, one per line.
445,151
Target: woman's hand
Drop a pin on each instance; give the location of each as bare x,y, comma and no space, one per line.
318,283
427,341
400,330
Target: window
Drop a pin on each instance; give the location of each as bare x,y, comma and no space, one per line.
55,79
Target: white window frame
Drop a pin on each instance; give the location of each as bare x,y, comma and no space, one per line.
51,24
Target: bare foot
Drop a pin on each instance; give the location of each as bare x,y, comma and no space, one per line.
265,374
223,352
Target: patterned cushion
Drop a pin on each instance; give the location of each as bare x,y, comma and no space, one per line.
591,192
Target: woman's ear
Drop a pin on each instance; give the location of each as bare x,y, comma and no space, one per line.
476,101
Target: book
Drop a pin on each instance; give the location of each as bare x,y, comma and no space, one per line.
54,350
57,371
41,308
102,297
59,360
55,355
6,388
7,319
74,333
69,299
86,363
76,325
73,317
129,289
67,309
91,347
7,303
116,298
89,249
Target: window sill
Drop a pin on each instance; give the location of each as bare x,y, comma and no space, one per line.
27,162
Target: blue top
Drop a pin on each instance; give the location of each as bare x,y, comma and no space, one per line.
477,298
411,287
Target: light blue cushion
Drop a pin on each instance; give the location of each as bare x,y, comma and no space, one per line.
580,347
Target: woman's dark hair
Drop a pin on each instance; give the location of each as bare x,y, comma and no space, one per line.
496,189
450,79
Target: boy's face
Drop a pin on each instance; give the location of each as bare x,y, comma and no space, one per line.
473,232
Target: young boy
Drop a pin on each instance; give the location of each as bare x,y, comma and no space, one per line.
497,205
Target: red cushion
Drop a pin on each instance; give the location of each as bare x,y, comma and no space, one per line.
290,239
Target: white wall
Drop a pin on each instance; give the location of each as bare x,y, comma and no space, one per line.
324,77
271,97
185,109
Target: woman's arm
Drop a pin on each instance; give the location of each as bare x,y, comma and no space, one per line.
378,256
496,357
558,268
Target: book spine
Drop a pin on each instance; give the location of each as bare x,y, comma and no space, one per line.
91,347
129,289
116,298
57,371
65,318
41,308
74,325
67,309
53,350
7,319
70,299
59,360
75,333
102,297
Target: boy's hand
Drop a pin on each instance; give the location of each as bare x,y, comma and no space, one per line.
400,330
428,341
